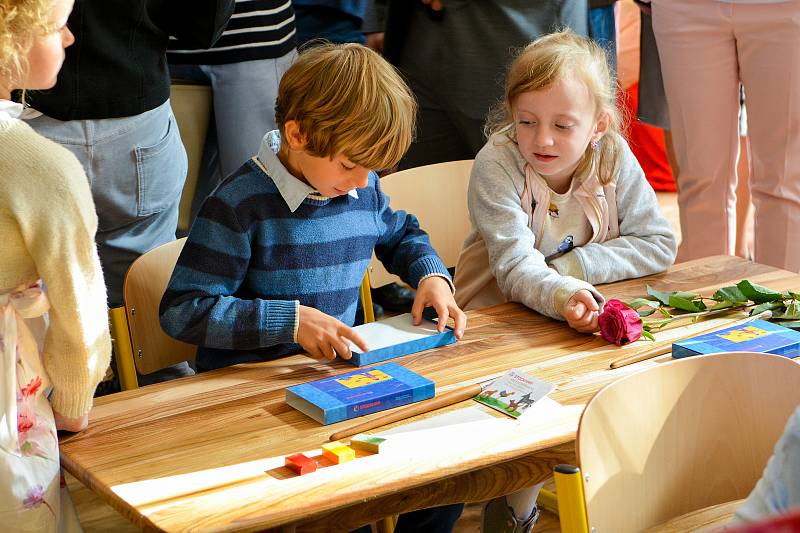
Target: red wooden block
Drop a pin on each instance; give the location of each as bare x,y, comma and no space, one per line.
301,464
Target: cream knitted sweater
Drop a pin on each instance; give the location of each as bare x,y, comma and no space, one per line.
47,228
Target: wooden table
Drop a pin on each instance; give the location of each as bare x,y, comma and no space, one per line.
206,452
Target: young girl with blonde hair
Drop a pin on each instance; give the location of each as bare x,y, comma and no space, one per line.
558,203
557,200
53,324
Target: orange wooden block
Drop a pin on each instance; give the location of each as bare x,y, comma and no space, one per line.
301,464
338,452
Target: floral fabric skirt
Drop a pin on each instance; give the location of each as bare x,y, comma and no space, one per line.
30,475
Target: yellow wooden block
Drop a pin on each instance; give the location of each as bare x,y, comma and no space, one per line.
338,452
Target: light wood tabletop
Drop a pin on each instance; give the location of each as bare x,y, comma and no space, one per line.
206,453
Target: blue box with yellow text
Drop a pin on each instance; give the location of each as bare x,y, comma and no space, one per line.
756,336
359,393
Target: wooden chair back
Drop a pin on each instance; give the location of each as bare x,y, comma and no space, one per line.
437,196
191,104
144,286
682,436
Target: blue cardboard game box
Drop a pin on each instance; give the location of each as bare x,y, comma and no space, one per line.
359,393
756,336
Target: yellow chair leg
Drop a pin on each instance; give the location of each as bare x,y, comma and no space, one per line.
366,299
571,504
387,524
123,351
548,500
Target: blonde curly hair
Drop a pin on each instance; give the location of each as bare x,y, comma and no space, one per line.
21,21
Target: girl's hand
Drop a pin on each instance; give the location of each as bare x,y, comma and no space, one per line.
324,337
435,292
581,312
74,425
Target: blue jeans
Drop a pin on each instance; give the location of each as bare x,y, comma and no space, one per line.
136,167
603,29
244,110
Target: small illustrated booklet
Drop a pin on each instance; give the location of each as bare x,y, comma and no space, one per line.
756,336
397,336
336,398
514,392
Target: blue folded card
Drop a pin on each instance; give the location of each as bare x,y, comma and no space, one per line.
359,393
397,336
756,336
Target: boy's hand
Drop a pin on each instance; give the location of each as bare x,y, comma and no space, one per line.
581,312
323,337
435,292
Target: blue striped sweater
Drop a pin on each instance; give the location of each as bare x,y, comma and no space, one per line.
250,261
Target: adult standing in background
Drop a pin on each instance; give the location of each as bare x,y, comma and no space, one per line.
243,69
707,47
111,108
454,54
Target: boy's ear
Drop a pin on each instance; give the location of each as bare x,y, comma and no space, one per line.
601,127
293,136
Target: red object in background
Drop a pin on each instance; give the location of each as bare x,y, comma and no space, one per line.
647,143
787,523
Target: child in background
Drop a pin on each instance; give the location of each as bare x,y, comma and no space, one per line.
558,204
47,226
557,200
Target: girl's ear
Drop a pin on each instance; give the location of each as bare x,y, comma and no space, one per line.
293,136
601,126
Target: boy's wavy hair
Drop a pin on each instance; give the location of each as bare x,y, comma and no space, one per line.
348,100
21,21
554,57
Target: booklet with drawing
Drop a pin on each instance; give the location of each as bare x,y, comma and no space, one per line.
514,392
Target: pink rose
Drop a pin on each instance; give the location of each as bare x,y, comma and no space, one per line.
619,323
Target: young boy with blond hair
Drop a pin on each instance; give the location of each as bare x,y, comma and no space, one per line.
274,262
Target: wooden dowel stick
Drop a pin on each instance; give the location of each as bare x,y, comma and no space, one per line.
437,402
667,347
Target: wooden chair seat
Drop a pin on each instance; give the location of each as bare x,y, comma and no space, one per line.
703,520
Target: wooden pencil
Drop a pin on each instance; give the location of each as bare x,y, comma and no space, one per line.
437,402
667,346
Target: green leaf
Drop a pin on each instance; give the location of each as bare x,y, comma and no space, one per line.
766,306
647,335
662,297
636,303
686,304
647,312
722,305
730,294
792,311
791,324
686,295
757,293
